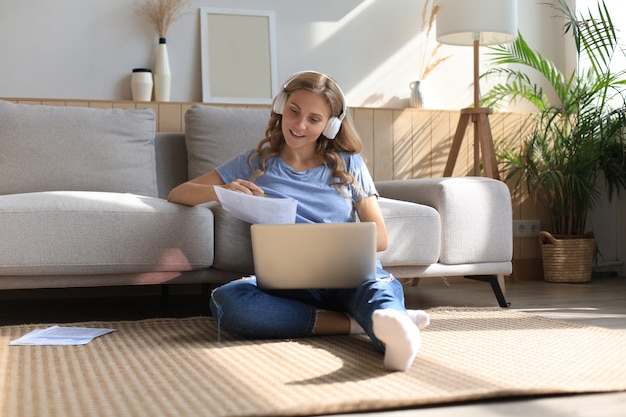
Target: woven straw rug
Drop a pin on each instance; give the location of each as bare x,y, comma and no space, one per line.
175,367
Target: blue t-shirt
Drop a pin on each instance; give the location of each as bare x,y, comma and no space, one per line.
318,201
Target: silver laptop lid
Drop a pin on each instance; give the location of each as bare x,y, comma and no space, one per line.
319,255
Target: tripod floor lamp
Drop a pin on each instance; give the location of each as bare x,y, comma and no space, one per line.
475,23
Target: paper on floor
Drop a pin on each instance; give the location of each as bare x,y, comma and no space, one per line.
57,335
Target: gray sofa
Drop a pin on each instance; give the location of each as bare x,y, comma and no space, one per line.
82,204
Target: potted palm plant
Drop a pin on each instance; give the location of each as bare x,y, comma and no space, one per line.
575,145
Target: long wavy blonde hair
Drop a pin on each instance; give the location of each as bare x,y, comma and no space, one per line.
347,140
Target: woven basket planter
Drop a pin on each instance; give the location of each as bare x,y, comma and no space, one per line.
567,258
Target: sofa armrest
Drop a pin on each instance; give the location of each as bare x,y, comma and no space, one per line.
475,212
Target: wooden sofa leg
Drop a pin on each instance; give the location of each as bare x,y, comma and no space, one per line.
494,280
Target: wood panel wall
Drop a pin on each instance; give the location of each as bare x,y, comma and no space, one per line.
398,144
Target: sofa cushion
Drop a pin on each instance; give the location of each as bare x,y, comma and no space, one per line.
414,233
233,244
58,148
74,233
414,237
214,135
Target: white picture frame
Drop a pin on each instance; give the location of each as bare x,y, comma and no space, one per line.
238,53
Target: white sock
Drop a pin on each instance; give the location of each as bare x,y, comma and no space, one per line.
401,337
355,327
419,317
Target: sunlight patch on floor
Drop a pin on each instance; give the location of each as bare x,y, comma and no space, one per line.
582,315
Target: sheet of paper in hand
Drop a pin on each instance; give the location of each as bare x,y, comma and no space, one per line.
256,209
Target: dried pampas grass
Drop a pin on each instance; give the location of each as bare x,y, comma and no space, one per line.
428,56
161,13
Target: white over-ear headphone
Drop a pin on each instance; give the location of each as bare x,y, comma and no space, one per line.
334,123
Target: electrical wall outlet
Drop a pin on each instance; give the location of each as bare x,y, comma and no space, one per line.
526,228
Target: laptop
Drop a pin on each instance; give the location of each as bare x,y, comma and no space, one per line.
317,255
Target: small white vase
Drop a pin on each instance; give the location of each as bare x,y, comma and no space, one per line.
416,99
162,73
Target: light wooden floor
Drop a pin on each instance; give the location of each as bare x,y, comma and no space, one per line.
601,303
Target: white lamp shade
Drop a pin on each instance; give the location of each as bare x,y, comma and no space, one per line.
491,22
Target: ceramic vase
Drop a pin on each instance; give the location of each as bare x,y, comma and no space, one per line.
162,73
416,99
141,84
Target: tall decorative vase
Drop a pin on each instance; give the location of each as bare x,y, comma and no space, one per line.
162,73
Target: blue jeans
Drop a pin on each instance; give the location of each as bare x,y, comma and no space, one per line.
243,308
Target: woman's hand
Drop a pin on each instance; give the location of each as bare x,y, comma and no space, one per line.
202,189
245,187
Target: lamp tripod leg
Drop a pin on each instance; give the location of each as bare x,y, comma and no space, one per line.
456,145
490,164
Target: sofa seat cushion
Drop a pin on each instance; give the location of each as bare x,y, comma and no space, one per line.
233,244
414,237
73,233
58,148
414,233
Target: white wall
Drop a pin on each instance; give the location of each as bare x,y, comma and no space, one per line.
87,48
